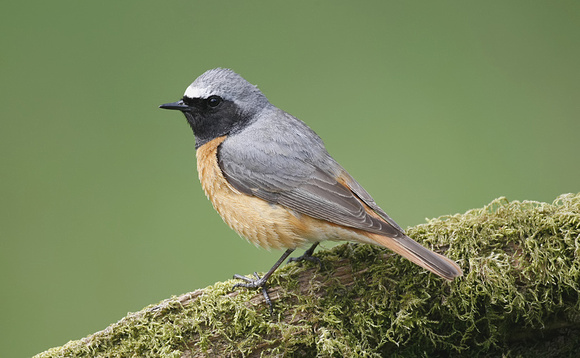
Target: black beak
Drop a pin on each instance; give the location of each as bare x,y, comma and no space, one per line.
179,105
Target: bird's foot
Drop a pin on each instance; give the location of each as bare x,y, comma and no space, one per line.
307,256
258,282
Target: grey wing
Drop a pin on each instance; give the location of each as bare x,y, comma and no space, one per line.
281,172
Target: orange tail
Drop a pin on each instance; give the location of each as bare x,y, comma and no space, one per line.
418,254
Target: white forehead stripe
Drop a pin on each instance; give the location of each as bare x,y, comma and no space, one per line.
196,92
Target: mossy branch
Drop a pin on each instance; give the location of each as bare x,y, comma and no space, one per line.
520,295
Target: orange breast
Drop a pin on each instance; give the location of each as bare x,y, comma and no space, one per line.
264,224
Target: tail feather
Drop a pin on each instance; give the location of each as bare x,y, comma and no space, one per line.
418,254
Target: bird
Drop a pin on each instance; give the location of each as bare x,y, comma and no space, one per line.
271,179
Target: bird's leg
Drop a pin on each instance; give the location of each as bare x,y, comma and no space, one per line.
307,256
260,282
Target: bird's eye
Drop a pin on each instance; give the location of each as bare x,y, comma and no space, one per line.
214,101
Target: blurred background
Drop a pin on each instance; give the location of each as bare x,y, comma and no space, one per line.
436,108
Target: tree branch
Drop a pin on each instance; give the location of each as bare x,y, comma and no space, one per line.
520,294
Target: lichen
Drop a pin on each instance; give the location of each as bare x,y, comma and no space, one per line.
519,296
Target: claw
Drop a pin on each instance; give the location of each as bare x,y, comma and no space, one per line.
307,256
251,283
260,282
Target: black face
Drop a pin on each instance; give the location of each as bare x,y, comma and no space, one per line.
210,117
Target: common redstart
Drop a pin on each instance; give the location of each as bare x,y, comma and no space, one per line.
272,181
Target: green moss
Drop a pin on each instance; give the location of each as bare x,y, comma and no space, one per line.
519,296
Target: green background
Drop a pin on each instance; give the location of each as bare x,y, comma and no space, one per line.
435,107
